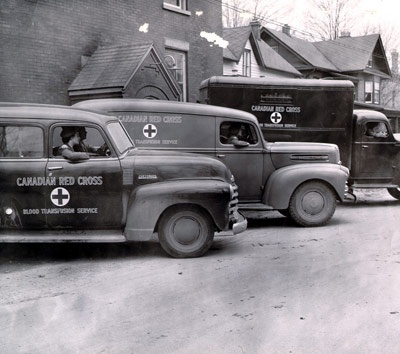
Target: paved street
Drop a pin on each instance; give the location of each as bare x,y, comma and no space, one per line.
277,288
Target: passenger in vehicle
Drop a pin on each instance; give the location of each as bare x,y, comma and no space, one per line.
377,130
235,135
70,137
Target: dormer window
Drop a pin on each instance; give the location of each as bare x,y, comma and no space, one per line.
369,65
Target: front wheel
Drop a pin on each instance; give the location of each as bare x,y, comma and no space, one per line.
312,204
394,192
186,232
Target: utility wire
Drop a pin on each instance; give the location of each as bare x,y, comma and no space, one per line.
281,24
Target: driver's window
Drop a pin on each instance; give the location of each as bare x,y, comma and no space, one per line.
376,130
237,131
79,139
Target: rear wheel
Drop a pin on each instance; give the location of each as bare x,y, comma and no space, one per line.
312,204
186,232
394,192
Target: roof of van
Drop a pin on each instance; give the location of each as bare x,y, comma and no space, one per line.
365,114
240,80
159,106
49,112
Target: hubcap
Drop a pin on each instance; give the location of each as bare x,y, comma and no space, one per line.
186,231
313,203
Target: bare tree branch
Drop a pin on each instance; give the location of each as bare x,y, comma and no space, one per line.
329,18
238,13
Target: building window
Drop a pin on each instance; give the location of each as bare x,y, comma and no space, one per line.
180,6
377,95
176,63
369,65
356,92
246,63
368,91
372,92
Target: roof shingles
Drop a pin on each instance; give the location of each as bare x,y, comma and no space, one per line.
238,37
111,66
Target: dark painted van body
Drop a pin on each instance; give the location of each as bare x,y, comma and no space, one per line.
316,111
269,175
124,194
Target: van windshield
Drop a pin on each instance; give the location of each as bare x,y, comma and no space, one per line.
120,137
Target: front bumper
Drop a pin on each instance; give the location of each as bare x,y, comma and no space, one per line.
240,225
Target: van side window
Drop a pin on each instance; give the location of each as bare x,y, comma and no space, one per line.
21,142
230,131
376,130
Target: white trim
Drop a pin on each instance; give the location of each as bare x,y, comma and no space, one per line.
177,9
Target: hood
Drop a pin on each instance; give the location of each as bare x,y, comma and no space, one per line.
156,166
290,153
397,136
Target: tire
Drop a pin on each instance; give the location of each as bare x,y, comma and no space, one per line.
186,233
394,192
312,204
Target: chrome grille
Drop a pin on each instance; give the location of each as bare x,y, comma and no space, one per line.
233,205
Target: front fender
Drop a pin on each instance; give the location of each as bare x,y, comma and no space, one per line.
284,181
147,203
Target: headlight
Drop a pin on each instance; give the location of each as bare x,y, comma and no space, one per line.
8,211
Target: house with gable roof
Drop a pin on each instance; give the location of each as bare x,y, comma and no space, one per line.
359,59
256,51
302,54
362,58
247,55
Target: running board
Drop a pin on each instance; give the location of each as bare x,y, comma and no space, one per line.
373,185
40,236
254,206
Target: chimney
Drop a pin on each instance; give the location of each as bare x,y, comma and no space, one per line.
286,29
395,61
255,28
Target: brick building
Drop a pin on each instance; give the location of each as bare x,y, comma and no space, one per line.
46,44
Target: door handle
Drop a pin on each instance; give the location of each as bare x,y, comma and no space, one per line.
364,146
55,168
220,155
